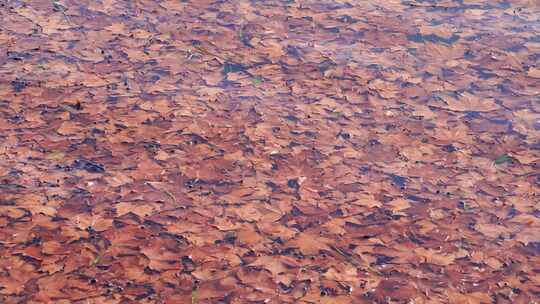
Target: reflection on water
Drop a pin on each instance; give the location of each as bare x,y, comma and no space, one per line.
270,151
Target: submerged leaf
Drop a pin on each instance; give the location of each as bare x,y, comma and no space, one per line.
505,158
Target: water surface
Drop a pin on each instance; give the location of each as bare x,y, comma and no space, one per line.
269,151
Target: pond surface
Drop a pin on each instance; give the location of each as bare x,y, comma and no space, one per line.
270,151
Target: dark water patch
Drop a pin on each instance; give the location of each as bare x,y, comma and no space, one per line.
432,38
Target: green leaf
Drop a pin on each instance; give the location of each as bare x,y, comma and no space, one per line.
505,158
257,80
194,296
232,67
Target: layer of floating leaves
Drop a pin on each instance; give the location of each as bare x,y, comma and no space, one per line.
303,151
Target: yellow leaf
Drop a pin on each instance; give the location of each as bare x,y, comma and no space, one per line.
55,155
534,72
